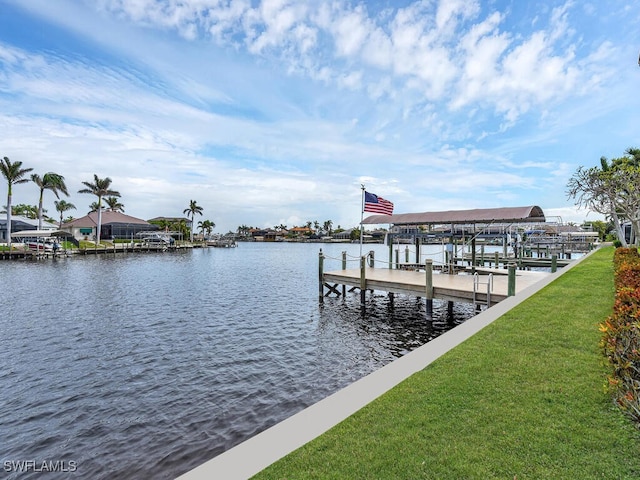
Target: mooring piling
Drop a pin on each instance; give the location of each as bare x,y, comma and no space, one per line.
428,268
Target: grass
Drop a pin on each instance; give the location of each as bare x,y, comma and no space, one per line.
522,399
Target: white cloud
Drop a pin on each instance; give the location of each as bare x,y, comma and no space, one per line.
456,103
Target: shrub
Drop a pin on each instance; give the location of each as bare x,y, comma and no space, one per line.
621,333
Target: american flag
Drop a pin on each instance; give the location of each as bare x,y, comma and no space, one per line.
375,204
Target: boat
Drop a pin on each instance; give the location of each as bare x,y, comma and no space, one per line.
222,242
155,240
41,241
43,246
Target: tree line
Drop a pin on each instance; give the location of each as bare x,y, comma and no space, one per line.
15,174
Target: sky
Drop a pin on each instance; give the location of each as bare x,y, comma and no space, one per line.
277,112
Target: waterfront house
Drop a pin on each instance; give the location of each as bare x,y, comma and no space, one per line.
299,231
115,225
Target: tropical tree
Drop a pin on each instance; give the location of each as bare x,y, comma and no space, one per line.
99,188
14,174
327,226
243,230
62,206
206,226
181,227
93,207
613,189
29,211
192,210
49,181
114,204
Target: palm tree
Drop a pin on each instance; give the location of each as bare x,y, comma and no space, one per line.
49,181
206,226
29,211
114,205
14,174
62,206
99,188
94,207
243,230
192,210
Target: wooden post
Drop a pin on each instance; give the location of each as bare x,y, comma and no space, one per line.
397,258
417,242
496,257
428,268
482,255
406,254
473,255
363,281
344,267
320,277
511,286
372,258
390,254
554,263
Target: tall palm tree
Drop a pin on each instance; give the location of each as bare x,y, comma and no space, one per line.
49,181
14,174
62,206
114,204
192,210
99,188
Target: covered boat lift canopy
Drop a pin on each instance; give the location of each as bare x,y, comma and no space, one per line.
41,234
530,214
471,224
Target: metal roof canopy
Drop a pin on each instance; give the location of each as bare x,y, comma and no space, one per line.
532,214
40,233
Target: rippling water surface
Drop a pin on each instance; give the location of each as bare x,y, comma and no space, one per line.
147,365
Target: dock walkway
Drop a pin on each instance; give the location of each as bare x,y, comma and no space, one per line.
455,288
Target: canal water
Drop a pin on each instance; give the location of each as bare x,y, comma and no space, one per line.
146,365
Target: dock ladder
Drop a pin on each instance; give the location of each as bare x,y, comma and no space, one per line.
476,286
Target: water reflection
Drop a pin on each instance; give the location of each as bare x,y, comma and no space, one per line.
147,365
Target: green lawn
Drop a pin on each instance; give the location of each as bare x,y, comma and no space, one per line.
522,399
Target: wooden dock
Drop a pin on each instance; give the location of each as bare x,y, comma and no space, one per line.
463,287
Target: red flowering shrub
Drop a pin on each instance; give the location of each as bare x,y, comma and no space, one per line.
621,333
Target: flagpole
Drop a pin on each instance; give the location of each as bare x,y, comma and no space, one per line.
361,216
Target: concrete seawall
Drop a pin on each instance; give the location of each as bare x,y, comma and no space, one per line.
260,451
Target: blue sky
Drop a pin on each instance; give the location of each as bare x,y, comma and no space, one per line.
276,111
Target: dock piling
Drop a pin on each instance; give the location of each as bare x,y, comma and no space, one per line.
428,268
363,281
321,277
511,285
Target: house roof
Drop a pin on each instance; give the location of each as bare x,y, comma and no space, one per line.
108,216
16,219
480,215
